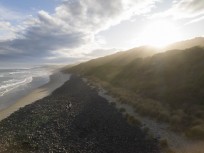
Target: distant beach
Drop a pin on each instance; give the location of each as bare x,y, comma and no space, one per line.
16,83
57,79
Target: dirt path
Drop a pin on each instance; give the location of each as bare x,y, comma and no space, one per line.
177,142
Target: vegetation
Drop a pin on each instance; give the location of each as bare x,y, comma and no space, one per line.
133,121
168,86
165,147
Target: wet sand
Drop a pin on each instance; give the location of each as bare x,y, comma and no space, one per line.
57,79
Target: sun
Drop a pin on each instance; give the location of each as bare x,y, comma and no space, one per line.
160,34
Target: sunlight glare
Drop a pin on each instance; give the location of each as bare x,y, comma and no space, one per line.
160,34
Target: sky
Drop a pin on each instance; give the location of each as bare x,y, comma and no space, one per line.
71,31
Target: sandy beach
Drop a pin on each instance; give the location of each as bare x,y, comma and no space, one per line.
57,79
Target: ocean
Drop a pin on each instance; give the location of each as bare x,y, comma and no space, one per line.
16,83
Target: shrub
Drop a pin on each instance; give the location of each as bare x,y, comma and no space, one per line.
175,119
133,121
196,132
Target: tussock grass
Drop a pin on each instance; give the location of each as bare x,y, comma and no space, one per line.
168,87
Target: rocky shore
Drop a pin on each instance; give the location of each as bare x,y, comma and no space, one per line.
73,119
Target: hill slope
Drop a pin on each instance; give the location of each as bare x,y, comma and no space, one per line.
116,61
198,41
170,85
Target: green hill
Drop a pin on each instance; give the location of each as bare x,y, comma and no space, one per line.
168,86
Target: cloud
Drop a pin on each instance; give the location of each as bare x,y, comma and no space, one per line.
188,8
7,14
7,31
184,9
195,20
73,25
100,53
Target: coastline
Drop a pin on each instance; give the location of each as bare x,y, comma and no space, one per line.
57,79
90,125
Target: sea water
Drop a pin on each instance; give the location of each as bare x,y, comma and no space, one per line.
16,83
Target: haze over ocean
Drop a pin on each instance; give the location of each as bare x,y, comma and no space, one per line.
15,83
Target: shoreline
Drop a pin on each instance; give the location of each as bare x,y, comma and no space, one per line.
57,79
90,125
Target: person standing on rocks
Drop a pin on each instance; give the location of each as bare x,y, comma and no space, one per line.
70,105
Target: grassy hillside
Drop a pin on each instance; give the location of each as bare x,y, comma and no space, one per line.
116,61
167,86
198,41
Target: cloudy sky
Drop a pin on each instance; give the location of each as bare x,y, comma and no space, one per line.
69,31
